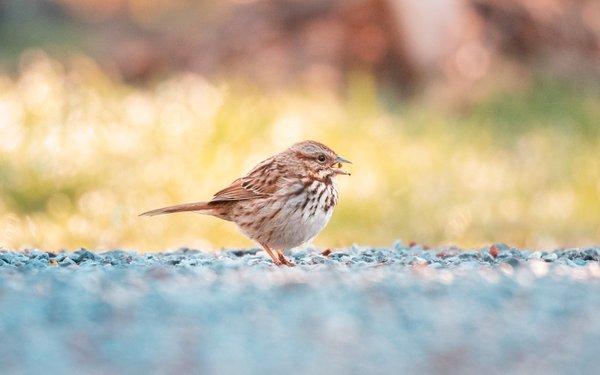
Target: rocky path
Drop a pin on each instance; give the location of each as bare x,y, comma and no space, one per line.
359,310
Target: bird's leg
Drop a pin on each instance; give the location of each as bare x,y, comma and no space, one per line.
270,252
283,259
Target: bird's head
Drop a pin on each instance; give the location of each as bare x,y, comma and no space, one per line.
321,161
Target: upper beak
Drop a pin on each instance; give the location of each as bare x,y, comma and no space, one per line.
339,160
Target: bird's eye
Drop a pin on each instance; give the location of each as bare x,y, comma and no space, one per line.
321,158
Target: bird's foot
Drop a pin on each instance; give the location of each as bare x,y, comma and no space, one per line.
283,260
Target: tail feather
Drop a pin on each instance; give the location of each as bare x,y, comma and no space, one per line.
198,206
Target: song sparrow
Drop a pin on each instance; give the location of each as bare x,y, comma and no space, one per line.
283,202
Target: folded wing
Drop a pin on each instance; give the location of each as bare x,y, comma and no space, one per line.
261,182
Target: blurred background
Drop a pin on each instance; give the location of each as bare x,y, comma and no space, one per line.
468,122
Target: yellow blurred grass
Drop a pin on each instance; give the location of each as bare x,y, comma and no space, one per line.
81,155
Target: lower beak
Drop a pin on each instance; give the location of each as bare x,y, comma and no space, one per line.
341,171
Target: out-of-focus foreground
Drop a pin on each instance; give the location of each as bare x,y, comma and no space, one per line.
385,311
481,125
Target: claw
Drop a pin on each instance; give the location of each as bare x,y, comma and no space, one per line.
283,260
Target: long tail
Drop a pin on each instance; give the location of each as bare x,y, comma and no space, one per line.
198,206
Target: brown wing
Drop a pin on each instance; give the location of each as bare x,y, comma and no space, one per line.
260,182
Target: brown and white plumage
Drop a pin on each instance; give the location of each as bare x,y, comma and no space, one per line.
283,202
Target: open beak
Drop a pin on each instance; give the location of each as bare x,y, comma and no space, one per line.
339,161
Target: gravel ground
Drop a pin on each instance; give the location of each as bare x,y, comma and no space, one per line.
360,310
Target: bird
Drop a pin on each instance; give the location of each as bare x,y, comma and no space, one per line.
282,203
